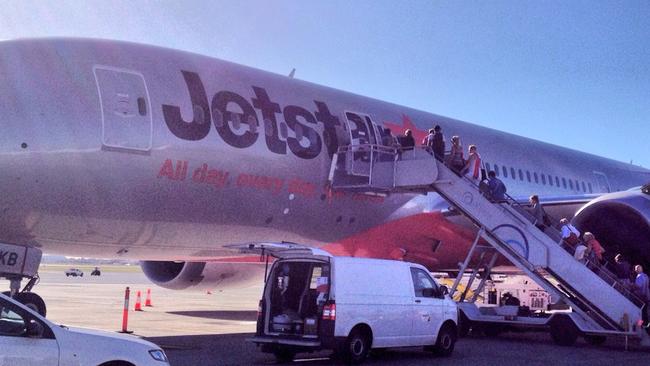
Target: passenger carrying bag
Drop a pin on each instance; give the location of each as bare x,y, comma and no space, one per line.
572,239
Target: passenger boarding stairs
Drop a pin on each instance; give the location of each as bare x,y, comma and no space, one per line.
603,305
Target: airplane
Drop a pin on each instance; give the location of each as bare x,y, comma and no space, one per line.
113,149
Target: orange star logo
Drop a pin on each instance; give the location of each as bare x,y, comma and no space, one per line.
407,124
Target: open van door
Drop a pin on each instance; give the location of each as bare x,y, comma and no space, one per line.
278,250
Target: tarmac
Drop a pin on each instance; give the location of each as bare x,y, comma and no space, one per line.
210,328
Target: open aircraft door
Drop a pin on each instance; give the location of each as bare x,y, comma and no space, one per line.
126,109
362,132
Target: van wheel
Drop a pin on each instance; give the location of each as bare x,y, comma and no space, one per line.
563,331
356,348
446,341
284,355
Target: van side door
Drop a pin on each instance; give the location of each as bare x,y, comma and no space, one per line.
428,308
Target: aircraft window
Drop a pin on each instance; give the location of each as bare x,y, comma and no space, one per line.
268,127
583,187
512,173
590,190
217,117
528,175
577,185
550,180
496,169
283,130
564,183
557,181
543,179
536,177
487,166
571,184
505,172
521,175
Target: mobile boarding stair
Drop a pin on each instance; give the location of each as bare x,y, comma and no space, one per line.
597,305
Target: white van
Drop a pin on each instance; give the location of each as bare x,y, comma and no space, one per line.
314,301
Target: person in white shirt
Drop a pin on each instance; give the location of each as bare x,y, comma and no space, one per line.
473,164
570,235
581,253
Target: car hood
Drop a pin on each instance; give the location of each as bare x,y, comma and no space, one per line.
84,332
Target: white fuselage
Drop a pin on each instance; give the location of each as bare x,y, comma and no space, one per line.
113,149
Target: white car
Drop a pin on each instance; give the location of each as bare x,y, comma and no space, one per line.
315,301
74,272
28,339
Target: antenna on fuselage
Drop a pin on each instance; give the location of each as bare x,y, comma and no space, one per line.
292,73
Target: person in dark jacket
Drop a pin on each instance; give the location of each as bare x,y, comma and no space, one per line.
408,142
437,143
623,269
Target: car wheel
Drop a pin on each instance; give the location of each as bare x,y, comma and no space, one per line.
32,301
284,355
563,331
67,274
357,347
81,275
446,341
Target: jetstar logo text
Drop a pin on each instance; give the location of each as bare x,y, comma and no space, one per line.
241,128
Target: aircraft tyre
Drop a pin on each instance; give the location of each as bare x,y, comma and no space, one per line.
31,300
446,340
595,340
563,331
283,354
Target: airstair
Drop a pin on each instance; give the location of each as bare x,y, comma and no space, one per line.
599,305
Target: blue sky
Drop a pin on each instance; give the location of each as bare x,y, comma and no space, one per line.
573,73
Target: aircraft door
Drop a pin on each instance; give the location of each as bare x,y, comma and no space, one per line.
603,182
362,132
362,129
125,107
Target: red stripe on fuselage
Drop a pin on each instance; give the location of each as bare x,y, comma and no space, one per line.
412,239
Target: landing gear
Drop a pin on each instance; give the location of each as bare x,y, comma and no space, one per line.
25,296
18,263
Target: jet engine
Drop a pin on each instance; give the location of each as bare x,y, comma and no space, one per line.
202,275
621,223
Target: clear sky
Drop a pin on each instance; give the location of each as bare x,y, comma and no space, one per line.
573,73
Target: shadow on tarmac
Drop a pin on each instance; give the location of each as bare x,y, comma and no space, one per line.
237,315
508,349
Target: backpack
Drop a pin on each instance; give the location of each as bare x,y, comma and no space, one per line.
572,239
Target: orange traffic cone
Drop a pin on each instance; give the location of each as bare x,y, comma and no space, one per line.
138,302
147,302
